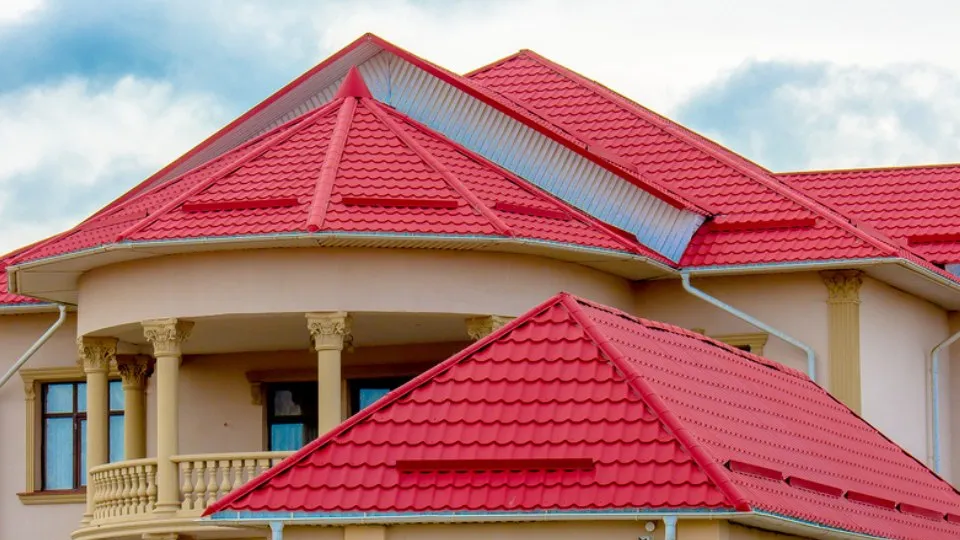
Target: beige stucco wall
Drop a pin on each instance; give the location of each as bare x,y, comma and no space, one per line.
897,333
356,280
794,303
17,333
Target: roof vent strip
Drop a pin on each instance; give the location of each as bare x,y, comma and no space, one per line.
532,211
400,202
240,204
487,465
725,225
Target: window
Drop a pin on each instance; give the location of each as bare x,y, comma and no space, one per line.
292,408
291,414
63,423
364,392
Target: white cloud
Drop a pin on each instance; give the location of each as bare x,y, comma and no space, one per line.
66,149
12,11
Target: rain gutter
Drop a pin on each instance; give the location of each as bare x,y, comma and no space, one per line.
811,355
36,345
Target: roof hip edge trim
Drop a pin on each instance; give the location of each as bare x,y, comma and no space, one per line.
331,165
711,468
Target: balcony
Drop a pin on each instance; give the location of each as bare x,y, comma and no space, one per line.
124,494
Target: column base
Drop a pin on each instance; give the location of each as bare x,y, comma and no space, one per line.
166,509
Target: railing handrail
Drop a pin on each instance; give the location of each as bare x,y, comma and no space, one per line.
123,464
230,455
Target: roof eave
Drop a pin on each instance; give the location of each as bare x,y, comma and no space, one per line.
69,266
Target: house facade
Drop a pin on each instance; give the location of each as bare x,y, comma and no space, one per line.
380,214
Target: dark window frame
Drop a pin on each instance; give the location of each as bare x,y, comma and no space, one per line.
78,416
308,410
355,385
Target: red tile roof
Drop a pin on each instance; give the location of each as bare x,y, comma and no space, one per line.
575,406
6,297
354,166
758,219
917,205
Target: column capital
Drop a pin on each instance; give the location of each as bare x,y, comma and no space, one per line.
481,327
134,371
166,335
330,330
96,353
842,285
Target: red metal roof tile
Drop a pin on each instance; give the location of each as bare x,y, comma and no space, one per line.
724,183
918,205
669,418
309,174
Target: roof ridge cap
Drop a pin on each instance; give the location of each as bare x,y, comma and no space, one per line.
684,436
308,120
391,398
879,168
323,187
448,176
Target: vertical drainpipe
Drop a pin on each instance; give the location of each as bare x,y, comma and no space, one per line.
811,356
276,530
935,394
669,527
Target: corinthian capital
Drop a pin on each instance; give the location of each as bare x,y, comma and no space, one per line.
166,335
330,330
96,353
134,370
843,285
481,327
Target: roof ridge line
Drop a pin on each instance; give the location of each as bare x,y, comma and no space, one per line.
448,176
633,378
726,156
323,187
493,64
393,395
879,168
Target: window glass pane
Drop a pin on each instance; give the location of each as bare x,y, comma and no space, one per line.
83,451
116,438
369,395
286,437
116,396
59,398
286,403
82,397
58,453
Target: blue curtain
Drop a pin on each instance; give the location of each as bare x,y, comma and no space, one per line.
116,438
58,453
286,437
83,452
370,395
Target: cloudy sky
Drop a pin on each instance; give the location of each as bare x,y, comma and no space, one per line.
96,95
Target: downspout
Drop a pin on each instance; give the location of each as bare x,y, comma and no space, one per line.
36,345
935,393
669,527
811,356
276,530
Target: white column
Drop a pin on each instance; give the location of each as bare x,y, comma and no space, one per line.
96,354
329,332
481,327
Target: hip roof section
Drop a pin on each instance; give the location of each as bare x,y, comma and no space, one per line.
352,166
577,407
916,205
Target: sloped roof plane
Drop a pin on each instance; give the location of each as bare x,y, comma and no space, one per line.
353,166
577,407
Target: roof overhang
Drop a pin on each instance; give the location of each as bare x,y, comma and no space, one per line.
761,520
56,279
897,272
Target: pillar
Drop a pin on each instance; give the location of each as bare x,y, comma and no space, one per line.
843,334
166,336
329,332
95,355
134,372
481,327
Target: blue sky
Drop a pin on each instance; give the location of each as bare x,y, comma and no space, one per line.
96,95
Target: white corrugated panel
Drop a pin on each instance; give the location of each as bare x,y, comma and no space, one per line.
492,134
